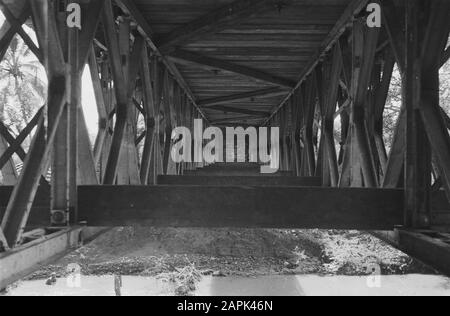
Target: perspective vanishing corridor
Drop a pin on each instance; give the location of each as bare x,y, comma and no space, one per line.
309,82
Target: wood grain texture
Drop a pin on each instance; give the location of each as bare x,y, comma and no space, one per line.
207,206
240,181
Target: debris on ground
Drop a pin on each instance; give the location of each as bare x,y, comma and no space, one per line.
182,256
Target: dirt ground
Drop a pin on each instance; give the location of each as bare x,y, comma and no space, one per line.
234,252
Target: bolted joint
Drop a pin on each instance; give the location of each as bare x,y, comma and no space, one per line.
59,218
151,122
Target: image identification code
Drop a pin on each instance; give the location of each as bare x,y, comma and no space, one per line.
227,306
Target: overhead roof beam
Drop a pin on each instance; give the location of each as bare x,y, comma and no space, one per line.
217,20
229,109
183,56
237,120
263,93
355,7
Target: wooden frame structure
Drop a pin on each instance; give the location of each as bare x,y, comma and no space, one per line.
237,63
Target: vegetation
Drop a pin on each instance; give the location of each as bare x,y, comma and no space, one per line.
23,89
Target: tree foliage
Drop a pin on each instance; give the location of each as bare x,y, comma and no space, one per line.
22,86
394,101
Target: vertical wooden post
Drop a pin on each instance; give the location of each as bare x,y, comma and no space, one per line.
292,122
418,153
329,77
109,94
100,98
149,99
364,47
283,146
381,95
351,167
60,182
297,103
168,120
158,84
288,139
19,205
121,93
344,154
309,159
74,107
128,170
434,43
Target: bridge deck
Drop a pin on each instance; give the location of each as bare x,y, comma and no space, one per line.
241,59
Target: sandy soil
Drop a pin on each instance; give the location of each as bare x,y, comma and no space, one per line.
235,252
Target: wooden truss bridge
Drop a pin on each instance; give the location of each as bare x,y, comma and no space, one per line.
301,65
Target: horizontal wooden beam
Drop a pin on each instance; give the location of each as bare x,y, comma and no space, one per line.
238,119
235,172
215,21
22,261
263,93
230,109
430,247
240,181
248,207
183,56
40,211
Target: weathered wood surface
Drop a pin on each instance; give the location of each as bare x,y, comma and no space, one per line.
22,261
430,247
275,40
235,172
240,181
40,211
207,206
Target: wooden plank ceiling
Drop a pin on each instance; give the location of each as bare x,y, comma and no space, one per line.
240,58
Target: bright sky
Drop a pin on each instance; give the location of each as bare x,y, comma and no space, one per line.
88,96
89,104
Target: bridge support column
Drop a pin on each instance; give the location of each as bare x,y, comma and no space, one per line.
19,206
418,153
